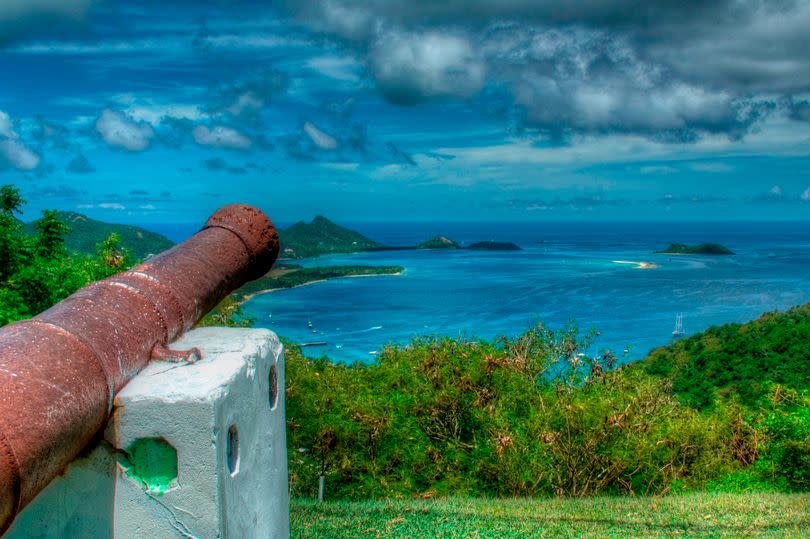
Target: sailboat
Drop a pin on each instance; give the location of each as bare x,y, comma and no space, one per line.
679,331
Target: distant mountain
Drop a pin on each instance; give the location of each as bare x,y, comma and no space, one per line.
86,233
702,249
493,246
322,236
439,242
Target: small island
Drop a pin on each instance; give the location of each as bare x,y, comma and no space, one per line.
700,249
493,246
439,242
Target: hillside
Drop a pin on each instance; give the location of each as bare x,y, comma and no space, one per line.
739,359
86,233
322,236
701,249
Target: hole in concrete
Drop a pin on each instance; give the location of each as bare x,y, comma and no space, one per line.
152,463
232,450
273,387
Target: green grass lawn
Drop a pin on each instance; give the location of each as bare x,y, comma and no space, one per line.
690,515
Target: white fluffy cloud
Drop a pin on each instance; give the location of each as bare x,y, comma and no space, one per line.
18,155
122,131
413,66
220,137
6,126
322,140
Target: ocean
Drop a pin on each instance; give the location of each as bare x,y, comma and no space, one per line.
566,272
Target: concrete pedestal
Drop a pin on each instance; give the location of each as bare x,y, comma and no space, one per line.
191,451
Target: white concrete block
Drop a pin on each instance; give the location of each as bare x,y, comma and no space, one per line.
223,416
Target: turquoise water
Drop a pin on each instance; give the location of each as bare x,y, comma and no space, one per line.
565,272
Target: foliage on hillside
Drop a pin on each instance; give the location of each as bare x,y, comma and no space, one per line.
85,234
37,270
520,417
739,359
321,236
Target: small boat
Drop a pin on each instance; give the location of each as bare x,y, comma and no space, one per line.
679,331
309,324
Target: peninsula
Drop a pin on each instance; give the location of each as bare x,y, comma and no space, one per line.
291,276
700,249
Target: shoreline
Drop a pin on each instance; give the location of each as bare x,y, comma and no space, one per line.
244,299
638,265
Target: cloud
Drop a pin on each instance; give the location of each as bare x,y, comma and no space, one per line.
18,155
672,71
320,138
805,196
221,137
120,130
22,19
412,67
6,126
112,206
244,100
80,165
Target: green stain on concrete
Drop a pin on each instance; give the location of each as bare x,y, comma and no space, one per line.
152,463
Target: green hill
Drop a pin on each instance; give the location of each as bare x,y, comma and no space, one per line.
701,249
86,233
739,359
439,242
322,236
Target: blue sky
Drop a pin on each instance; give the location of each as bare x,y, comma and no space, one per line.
157,112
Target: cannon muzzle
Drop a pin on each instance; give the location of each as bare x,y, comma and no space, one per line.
60,371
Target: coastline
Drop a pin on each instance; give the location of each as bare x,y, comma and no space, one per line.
247,297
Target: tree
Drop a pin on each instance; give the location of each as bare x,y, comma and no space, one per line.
11,238
51,232
10,200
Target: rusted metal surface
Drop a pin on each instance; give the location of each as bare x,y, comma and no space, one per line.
59,371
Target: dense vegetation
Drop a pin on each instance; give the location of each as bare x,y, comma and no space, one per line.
531,416
739,360
701,249
85,234
37,270
321,236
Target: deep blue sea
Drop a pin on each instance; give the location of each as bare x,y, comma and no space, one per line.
565,272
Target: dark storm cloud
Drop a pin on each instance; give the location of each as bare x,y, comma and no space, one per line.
670,70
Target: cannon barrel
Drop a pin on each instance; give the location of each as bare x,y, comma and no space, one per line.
60,371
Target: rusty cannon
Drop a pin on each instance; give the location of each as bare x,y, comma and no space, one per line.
60,371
